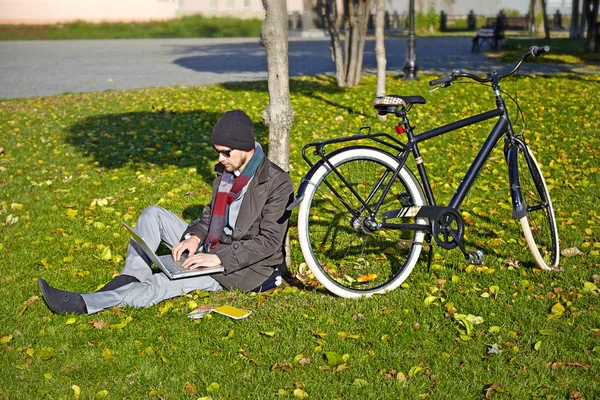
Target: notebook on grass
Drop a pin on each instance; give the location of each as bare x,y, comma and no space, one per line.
166,264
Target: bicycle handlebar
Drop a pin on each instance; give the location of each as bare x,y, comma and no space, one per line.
444,81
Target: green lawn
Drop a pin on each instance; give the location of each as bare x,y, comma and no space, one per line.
193,26
562,50
72,167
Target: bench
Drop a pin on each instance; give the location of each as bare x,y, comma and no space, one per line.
492,36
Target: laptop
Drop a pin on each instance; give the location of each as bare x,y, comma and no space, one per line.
166,264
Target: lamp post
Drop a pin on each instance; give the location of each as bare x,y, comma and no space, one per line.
410,59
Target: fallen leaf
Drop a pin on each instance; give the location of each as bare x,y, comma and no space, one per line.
281,367
30,301
346,335
333,358
190,388
98,324
76,391
300,394
366,278
359,382
579,365
106,353
493,388
571,252
213,387
46,353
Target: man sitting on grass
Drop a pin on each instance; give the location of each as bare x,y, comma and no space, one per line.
242,229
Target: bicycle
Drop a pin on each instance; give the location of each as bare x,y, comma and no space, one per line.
364,217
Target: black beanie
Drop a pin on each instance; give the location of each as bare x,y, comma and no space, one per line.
234,130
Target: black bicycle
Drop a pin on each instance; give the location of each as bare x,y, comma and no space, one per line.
364,217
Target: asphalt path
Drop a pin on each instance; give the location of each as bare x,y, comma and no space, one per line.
43,68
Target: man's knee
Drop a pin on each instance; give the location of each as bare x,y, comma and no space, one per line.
151,213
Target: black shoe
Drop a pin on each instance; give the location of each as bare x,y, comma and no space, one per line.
60,301
118,281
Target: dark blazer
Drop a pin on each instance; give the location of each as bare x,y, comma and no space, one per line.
256,246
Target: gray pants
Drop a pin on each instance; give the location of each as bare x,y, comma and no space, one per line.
155,224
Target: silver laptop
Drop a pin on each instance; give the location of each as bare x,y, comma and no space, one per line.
166,264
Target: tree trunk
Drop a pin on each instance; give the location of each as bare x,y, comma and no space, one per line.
380,46
348,63
278,115
592,44
331,16
532,16
583,19
574,31
544,3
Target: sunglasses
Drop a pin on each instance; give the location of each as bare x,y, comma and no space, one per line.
226,152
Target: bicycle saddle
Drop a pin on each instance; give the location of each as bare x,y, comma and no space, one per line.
389,104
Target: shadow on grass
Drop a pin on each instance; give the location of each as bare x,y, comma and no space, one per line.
163,137
321,88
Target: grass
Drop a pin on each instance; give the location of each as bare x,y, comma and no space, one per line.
562,50
193,26
72,167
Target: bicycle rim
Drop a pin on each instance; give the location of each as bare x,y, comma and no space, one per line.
539,225
344,255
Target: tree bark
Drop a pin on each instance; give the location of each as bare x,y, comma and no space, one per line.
380,46
592,44
348,63
337,55
278,115
543,4
574,30
583,18
532,28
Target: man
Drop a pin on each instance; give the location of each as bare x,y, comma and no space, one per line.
242,229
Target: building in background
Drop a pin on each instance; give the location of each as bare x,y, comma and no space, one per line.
55,11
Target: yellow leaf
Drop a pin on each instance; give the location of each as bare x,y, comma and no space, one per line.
16,206
71,321
106,353
192,304
6,338
106,254
30,352
76,391
71,212
557,310
300,394
366,278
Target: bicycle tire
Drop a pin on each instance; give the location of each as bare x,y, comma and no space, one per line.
339,253
539,224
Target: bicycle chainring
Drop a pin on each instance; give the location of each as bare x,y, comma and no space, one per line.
448,229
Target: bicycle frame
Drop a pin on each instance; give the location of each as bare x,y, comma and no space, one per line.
404,150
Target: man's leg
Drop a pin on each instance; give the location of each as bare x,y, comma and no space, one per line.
151,291
155,224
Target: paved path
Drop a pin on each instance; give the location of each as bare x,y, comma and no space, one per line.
41,68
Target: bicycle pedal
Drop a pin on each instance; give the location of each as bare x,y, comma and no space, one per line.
476,257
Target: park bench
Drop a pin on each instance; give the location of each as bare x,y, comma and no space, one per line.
492,36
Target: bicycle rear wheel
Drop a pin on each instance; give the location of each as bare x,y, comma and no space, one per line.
539,225
344,255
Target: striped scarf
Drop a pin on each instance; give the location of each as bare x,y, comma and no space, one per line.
230,188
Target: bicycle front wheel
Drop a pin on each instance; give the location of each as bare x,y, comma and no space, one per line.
347,257
539,224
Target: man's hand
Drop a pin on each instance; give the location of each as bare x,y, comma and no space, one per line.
201,260
191,245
